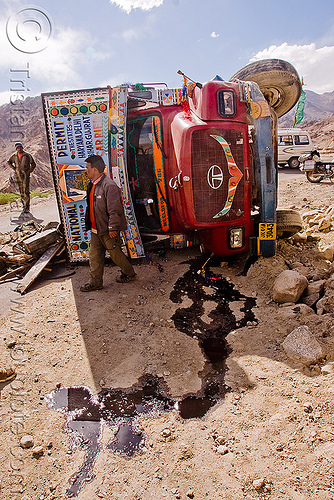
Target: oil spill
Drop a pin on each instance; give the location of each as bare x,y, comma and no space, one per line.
202,287
209,319
87,413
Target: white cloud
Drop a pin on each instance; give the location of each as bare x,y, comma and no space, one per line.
214,35
314,64
128,5
60,65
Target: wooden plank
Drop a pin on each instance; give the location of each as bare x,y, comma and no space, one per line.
40,242
38,267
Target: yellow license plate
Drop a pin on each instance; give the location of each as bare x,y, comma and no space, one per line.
267,231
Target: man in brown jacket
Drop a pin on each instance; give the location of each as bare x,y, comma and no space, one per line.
23,164
105,218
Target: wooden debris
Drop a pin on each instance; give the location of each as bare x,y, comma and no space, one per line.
16,271
38,267
38,243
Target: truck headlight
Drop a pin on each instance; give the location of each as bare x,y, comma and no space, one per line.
236,237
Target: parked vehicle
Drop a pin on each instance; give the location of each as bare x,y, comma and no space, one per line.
293,143
315,169
194,163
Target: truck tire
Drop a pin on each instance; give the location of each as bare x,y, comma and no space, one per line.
289,222
313,177
293,162
278,80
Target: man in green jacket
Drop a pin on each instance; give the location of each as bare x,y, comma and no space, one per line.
105,219
23,164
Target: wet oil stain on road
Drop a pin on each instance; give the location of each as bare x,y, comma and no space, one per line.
216,309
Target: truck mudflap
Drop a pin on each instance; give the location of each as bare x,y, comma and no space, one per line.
265,169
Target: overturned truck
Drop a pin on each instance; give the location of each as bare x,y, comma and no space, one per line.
196,163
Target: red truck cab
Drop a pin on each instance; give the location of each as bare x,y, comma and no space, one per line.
205,158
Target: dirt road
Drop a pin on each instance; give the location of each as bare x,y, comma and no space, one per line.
174,386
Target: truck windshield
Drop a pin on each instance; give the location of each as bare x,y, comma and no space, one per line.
146,173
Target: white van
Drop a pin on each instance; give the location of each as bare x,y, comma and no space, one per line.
292,142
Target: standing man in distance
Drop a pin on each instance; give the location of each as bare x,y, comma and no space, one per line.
23,164
105,218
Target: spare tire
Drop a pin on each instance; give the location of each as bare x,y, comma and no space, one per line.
278,80
289,222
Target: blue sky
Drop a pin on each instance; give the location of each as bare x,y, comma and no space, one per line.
84,44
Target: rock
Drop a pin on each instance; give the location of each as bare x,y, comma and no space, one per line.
37,451
311,300
325,305
258,483
166,433
222,449
289,286
315,287
299,237
308,408
326,252
325,225
328,368
190,494
309,215
220,440
311,236
27,441
301,346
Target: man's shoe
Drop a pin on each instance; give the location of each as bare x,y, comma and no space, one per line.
89,288
7,374
125,278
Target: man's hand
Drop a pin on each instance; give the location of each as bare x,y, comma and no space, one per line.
112,234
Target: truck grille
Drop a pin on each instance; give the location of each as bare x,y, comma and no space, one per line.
210,174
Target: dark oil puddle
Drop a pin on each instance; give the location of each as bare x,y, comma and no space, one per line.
209,318
204,288
87,413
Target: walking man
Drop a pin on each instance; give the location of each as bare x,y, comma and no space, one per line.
23,164
105,218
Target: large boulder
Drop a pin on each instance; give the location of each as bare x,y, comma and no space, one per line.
289,286
301,346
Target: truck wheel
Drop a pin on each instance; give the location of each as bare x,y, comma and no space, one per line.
313,177
289,222
293,162
278,80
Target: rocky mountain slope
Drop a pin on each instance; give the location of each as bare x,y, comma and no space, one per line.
318,107
23,121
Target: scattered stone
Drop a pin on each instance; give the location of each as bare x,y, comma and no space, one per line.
315,287
311,236
299,237
328,368
166,433
325,225
27,441
37,451
301,346
326,252
222,449
289,286
311,300
11,344
308,408
220,440
258,483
